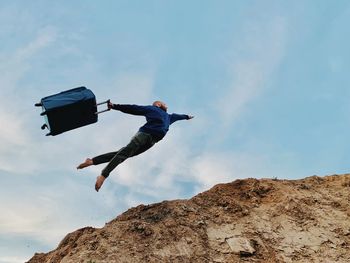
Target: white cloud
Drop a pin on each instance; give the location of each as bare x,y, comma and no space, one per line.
14,65
135,86
155,172
15,217
14,138
45,37
52,211
264,39
11,130
12,259
210,169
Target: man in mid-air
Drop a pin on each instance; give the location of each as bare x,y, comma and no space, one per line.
156,127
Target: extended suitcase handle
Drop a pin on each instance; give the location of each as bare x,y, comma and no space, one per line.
104,102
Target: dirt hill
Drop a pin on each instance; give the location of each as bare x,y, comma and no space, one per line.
247,220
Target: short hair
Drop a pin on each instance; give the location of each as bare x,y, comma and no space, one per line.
157,102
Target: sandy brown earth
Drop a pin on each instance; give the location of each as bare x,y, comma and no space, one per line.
247,220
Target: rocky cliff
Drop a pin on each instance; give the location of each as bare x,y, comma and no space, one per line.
266,220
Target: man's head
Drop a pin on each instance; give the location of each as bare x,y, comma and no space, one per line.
161,105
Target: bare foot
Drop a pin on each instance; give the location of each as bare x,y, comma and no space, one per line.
99,182
87,163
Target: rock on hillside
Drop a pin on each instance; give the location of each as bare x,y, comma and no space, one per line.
247,220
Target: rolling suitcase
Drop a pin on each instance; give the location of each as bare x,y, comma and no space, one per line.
69,110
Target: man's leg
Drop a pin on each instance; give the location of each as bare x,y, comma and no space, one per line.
142,143
103,158
138,144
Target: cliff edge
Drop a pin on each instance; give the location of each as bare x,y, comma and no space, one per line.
250,220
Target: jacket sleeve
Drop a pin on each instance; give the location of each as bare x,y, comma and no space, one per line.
177,117
131,109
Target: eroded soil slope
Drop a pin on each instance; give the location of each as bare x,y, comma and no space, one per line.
247,220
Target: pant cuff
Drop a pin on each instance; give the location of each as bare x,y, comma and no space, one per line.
104,175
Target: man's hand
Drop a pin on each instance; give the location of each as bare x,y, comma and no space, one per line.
110,105
190,117
99,182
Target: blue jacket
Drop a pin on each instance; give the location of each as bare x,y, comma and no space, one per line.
158,120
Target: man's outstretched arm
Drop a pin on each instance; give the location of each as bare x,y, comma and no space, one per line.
128,108
177,117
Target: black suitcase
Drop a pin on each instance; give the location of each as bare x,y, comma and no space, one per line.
69,110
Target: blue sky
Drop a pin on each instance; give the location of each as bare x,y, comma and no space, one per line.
267,82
